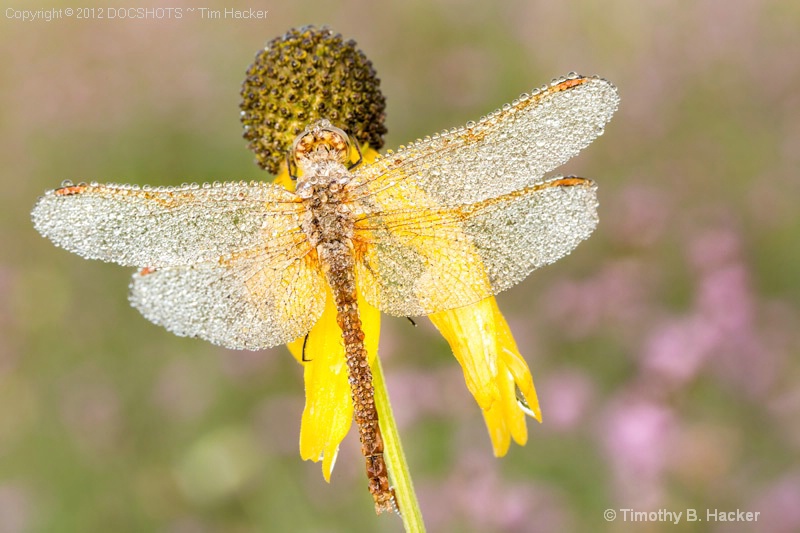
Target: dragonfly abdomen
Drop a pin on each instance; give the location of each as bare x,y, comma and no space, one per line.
339,260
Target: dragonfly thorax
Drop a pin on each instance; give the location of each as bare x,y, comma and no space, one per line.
321,153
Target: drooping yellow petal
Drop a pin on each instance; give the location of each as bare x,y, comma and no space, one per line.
493,369
509,354
506,418
471,333
328,412
499,422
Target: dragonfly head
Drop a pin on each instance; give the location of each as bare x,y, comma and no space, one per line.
321,142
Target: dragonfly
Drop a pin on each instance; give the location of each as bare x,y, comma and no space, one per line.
442,223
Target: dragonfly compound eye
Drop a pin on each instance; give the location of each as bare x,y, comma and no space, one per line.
322,141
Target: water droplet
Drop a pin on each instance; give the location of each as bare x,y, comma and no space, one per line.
67,183
523,404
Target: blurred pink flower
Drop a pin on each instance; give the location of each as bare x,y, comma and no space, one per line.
676,349
88,89
566,397
779,504
726,303
784,407
637,436
432,393
477,497
720,323
713,248
637,215
705,455
17,511
614,297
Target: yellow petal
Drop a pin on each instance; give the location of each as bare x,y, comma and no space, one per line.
284,180
471,333
493,369
510,356
328,413
506,418
497,423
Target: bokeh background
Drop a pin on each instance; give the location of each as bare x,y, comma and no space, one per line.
665,349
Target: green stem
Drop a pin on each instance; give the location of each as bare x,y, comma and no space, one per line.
395,458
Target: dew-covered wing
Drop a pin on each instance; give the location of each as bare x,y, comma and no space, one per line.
508,150
420,261
168,226
253,300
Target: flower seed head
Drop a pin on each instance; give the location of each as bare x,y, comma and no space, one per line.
309,74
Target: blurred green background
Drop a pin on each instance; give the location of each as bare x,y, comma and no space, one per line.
665,349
